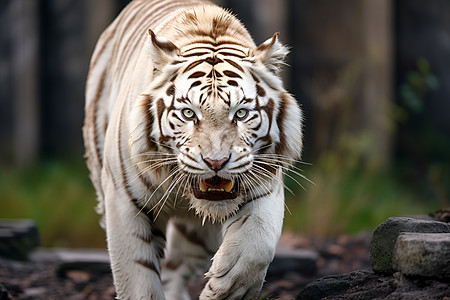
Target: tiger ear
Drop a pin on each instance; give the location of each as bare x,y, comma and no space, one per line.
161,50
272,53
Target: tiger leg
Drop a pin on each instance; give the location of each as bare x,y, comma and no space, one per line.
250,238
190,247
136,246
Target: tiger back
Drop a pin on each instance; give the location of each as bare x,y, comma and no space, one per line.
188,132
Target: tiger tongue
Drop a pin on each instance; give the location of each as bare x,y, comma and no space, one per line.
216,184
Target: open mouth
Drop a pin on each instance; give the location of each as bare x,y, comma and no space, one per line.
215,188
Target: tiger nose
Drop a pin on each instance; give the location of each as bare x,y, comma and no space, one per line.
216,164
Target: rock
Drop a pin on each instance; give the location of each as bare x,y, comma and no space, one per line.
328,286
18,238
86,260
4,295
385,237
300,261
361,285
423,254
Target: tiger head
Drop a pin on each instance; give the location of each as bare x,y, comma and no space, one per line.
218,121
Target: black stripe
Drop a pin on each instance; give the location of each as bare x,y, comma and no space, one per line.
281,146
255,78
197,74
155,232
132,11
257,127
203,47
260,91
230,48
240,157
213,60
181,100
192,237
192,65
160,107
158,233
176,62
195,83
94,111
231,74
260,196
245,219
228,227
98,53
170,90
234,64
195,54
175,115
124,173
149,123
252,118
145,238
232,54
215,43
192,167
241,166
148,264
232,82
155,10
190,157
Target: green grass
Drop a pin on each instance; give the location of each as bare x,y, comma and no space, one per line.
351,200
59,197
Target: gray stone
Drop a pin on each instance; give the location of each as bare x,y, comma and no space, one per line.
95,262
4,294
423,254
361,285
385,237
18,238
299,261
69,255
329,286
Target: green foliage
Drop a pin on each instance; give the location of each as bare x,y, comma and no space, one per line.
353,191
350,195
350,200
417,84
422,146
266,297
59,197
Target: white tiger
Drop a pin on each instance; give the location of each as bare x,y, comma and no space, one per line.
188,130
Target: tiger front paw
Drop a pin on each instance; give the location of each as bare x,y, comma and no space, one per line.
237,276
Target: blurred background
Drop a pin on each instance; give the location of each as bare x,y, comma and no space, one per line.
373,78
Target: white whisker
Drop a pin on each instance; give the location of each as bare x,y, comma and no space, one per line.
165,146
260,180
150,168
272,176
285,169
168,192
173,172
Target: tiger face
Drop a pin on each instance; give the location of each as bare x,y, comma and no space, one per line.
222,119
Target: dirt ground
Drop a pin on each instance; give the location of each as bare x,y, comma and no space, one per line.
46,280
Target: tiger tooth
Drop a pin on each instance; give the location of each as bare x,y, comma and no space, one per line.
203,187
228,187
203,221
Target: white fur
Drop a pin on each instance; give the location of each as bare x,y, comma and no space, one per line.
142,201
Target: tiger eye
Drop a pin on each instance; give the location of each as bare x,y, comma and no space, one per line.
188,113
241,114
